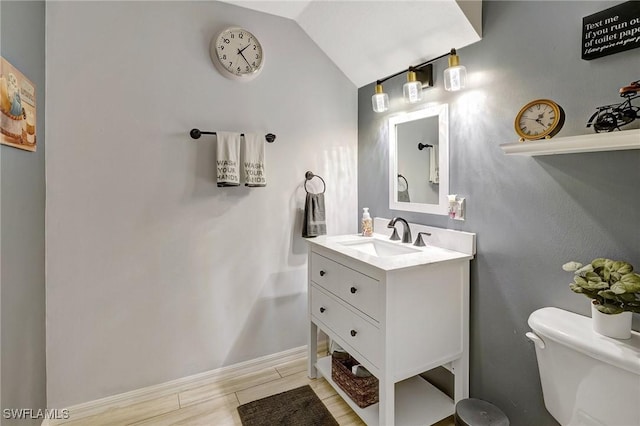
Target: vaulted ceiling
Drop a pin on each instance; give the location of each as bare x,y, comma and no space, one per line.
369,40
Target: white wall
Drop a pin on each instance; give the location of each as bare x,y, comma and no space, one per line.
154,273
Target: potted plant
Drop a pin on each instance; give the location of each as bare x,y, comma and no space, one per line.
615,292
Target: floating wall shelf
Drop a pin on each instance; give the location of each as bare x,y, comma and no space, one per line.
611,141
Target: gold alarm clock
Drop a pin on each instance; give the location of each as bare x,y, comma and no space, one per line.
539,119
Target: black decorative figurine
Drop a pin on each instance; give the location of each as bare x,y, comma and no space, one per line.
608,118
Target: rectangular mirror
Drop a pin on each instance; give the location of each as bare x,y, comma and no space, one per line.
419,160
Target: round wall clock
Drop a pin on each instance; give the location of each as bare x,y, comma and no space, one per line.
539,119
237,54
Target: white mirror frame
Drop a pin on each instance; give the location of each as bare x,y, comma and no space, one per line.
442,112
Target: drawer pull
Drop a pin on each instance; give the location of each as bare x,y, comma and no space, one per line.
322,273
322,310
353,290
353,333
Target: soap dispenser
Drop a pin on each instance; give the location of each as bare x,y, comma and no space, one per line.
367,223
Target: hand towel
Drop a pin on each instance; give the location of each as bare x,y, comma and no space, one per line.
228,158
434,168
313,223
253,163
403,190
403,196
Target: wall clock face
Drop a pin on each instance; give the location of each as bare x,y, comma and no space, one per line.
237,54
539,119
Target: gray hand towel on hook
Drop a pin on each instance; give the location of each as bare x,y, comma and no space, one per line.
403,190
314,221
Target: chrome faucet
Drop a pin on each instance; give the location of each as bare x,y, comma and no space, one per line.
406,235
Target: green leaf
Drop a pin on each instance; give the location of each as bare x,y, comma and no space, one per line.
592,276
572,266
596,286
618,288
608,294
629,283
592,282
579,280
622,267
576,288
598,263
586,268
631,278
628,298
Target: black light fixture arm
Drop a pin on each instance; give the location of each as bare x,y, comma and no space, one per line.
415,67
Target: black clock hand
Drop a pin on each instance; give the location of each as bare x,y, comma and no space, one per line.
243,49
537,120
245,59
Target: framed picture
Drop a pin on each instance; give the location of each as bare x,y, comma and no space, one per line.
17,108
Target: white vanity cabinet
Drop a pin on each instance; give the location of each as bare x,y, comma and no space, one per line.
397,320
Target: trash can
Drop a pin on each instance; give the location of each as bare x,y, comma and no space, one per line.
476,412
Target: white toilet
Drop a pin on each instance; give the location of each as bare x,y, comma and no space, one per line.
587,379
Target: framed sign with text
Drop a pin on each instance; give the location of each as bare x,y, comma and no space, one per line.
612,30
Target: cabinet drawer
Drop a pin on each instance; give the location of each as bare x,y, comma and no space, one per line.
349,326
356,289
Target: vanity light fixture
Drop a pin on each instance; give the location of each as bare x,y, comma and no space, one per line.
455,77
419,77
380,100
412,89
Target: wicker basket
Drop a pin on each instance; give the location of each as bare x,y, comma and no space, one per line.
362,390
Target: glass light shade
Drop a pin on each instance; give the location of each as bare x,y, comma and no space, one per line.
455,78
380,101
412,89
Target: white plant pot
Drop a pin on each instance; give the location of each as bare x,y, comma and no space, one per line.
617,326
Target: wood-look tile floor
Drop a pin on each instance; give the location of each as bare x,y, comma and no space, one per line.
216,404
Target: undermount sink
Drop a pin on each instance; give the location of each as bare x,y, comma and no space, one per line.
379,248
383,254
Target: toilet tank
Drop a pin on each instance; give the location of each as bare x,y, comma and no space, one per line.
587,379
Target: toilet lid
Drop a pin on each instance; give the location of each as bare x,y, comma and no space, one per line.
576,331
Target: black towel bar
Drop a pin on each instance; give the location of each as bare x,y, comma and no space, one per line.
196,133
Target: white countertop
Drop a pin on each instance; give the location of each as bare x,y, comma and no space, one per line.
425,255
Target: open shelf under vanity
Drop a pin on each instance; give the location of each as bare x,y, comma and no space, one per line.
418,402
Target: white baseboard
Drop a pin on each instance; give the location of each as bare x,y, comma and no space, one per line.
98,406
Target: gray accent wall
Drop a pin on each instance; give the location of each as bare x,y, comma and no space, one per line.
153,272
531,214
22,352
